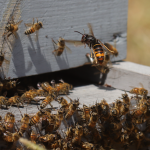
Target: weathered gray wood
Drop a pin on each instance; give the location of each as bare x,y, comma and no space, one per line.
122,75
62,18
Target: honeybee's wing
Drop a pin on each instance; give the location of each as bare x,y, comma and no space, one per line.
28,24
12,19
133,87
19,22
74,42
90,29
141,85
68,49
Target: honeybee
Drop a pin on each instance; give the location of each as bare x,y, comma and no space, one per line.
46,101
93,120
35,119
47,138
87,145
12,137
3,101
69,133
33,137
9,84
64,103
77,135
67,85
114,112
72,108
86,113
9,120
139,91
34,27
60,47
28,96
124,108
51,91
125,98
15,100
24,123
12,27
106,111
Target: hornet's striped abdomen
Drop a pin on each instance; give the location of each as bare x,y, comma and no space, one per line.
99,53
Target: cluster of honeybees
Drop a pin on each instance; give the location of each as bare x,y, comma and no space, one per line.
97,127
100,53
45,91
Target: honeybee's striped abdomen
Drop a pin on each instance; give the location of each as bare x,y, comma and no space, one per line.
99,53
29,31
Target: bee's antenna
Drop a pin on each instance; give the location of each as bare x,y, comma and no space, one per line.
79,32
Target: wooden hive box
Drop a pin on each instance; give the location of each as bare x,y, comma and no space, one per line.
60,19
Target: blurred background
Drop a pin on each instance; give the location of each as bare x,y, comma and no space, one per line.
138,34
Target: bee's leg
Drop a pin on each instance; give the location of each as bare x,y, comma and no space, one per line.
9,35
51,105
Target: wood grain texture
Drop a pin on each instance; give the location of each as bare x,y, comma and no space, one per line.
62,18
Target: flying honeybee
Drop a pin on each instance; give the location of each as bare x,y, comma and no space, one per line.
34,27
11,27
60,47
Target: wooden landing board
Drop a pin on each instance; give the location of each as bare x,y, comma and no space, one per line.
87,94
61,19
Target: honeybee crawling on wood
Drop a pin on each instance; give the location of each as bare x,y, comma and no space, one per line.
28,96
24,122
12,27
72,108
60,47
51,91
64,103
35,119
15,100
140,91
46,101
67,85
34,27
3,101
9,121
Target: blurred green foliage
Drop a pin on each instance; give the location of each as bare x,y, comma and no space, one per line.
138,32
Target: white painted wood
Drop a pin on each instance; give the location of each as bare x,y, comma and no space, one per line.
62,18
